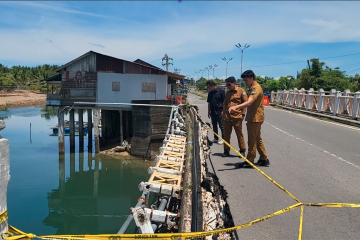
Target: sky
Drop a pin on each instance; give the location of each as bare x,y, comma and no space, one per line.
196,34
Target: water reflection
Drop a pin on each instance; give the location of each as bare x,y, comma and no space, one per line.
96,200
68,194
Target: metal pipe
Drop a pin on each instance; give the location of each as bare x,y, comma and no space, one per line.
129,219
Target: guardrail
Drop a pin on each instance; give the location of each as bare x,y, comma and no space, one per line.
342,104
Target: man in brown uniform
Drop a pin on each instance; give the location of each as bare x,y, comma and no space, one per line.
255,118
234,96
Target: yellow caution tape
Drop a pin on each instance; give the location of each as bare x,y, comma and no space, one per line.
301,222
270,179
336,205
3,216
178,236
171,236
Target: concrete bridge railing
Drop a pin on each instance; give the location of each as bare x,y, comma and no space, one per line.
342,104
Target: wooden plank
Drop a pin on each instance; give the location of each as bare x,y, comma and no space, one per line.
177,166
165,179
173,154
183,140
177,146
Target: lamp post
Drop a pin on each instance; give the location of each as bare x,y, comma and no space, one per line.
242,52
213,70
224,58
202,71
209,70
196,75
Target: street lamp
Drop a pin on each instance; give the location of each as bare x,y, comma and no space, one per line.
202,71
242,52
224,58
209,70
213,70
196,75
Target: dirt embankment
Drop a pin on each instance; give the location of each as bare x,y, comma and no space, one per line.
21,98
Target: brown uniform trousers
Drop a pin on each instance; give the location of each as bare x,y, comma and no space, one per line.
234,119
255,118
237,125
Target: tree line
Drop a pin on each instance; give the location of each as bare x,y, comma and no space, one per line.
26,77
316,75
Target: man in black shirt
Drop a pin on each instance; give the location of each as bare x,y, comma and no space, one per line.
215,101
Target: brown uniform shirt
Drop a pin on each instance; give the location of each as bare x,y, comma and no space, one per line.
255,113
233,98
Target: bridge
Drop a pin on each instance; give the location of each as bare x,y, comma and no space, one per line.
317,161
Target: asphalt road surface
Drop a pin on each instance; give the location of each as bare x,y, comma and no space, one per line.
317,161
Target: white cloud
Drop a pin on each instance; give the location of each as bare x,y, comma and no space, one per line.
197,34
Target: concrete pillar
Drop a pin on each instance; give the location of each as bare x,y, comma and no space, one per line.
121,127
321,99
89,160
72,165
96,178
81,162
290,97
96,116
337,101
4,178
81,131
61,131
62,175
90,130
309,98
128,115
356,105
103,124
346,93
72,131
331,101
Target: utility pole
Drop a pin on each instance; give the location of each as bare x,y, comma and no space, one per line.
242,52
209,70
213,70
224,58
196,75
166,58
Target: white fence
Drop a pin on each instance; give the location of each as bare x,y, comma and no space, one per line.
343,104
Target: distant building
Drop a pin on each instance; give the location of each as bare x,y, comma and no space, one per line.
99,79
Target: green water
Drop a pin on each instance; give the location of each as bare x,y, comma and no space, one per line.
74,194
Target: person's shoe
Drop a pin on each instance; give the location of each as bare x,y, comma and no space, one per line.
242,153
220,142
214,141
246,165
226,154
263,163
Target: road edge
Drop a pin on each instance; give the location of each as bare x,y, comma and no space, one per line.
349,122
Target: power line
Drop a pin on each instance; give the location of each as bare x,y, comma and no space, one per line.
275,64
350,65
354,70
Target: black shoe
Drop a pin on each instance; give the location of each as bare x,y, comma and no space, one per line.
246,165
242,153
263,163
226,154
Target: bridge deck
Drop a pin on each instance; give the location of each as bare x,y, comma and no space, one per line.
316,161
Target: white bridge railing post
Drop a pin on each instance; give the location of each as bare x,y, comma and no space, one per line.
321,100
355,113
337,102
309,98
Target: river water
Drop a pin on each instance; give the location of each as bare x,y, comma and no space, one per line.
85,201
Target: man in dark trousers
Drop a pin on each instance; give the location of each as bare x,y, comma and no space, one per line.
255,118
234,96
215,101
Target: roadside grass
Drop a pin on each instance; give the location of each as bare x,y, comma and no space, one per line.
4,107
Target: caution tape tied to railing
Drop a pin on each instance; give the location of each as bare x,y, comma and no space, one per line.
15,234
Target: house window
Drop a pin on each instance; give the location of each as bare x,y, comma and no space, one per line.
116,86
148,87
